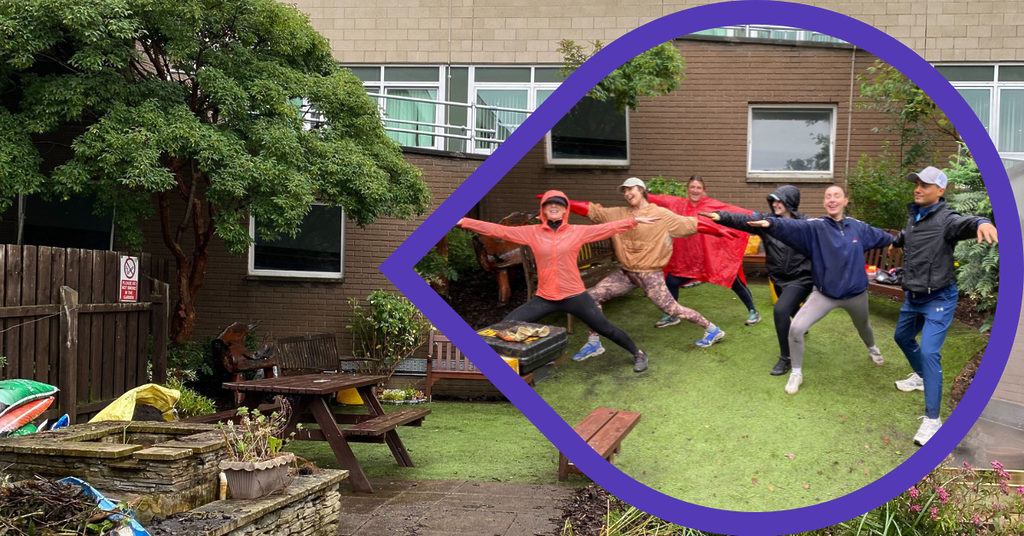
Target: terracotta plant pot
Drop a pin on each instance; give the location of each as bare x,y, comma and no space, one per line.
252,480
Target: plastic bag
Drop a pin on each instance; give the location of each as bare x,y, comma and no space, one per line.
150,394
14,393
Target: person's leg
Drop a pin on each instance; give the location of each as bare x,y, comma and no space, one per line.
857,308
672,283
789,299
741,290
533,310
937,318
654,286
908,325
814,309
615,284
583,307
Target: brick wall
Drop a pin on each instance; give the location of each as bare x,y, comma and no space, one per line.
528,31
702,128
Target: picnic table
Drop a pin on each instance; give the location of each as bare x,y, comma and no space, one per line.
310,395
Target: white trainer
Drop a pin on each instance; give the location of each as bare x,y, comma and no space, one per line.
911,383
876,356
927,430
793,385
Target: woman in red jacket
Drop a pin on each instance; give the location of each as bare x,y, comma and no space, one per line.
714,259
556,245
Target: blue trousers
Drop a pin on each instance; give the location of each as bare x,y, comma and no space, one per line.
931,318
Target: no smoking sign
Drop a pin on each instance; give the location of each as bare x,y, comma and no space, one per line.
129,279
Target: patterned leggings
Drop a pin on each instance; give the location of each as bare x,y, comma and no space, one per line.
653,283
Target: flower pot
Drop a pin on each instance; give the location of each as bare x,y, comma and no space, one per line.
252,480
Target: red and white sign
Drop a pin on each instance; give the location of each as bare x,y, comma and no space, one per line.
129,279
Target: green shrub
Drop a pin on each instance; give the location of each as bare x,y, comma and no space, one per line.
461,255
666,186
879,192
389,330
977,264
190,403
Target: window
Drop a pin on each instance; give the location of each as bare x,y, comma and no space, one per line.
317,250
64,224
408,100
593,133
996,94
791,141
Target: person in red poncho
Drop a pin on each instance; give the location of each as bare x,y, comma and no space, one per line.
556,245
705,257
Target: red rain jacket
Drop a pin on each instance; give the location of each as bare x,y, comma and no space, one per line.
558,276
704,257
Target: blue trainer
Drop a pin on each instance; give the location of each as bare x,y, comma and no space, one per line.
711,337
589,350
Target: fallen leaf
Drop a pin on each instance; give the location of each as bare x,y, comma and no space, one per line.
867,447
843,417
886,439
744,436
820,473
770,488
790,455
807,486
753,480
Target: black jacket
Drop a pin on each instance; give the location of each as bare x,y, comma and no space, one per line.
786,266
928,246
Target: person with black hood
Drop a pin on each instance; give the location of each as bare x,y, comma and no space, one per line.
788,270
836,246
929,280
556,245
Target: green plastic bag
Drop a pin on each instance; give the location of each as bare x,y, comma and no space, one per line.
14,393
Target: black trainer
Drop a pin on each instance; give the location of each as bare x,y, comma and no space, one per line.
640,361
781,367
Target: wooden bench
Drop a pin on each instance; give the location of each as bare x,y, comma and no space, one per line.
312,353
885,259
496,255
604,429
444,360
373,430
231,414
596,261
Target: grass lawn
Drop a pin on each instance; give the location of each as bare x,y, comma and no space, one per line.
717,429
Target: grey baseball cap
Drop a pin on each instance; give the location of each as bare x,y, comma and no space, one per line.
631,182
929,175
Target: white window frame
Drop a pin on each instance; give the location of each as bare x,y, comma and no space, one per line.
296,274
586,163
439,85
995,88
531,88
791,174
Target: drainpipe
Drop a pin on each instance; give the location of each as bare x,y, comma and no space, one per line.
849,119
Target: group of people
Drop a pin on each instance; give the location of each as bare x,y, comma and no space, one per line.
815,265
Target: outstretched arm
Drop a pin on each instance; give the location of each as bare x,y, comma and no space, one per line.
517,234
735,220
987,232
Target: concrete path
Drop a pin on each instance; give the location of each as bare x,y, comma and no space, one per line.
452,508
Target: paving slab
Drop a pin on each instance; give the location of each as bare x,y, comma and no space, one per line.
453,508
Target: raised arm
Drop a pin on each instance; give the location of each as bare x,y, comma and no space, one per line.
873,237
593,233
962,227
517,234
736,220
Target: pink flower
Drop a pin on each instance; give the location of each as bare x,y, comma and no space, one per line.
915,508
968,466
1004,487
913,492
935,513
1000,470
1020,490
976,520
943,496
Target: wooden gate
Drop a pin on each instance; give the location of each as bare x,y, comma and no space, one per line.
61,323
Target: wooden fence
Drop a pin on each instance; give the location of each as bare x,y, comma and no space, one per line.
61,323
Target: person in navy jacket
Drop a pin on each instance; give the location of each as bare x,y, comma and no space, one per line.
836,245
929,279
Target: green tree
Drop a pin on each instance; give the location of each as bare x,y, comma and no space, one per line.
189,110
878,191
655,72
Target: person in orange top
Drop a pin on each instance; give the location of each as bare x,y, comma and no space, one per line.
712,259
556,245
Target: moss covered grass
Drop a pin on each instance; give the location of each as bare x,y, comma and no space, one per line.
717,429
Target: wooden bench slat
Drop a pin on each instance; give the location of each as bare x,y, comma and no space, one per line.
604,429
378,426
592,423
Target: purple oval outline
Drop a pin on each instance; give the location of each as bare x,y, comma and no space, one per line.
398,267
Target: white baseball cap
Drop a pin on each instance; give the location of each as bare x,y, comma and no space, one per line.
929,175
631,182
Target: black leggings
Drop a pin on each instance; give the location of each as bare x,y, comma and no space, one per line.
581,306
790,296
673,282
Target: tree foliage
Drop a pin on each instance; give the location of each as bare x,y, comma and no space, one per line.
655,72
189,110
878,190
977,264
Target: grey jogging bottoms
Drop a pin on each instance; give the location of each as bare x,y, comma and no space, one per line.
815,308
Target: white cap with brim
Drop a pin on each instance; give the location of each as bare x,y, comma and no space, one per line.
929,175
631,182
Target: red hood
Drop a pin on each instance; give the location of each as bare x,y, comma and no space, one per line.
548,195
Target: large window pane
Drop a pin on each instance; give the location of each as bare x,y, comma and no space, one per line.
65,224
317,248
591,131
791,139
980,101
1011,120
413,115
496,124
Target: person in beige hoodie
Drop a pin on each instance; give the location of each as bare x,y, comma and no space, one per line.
643,252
